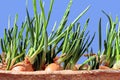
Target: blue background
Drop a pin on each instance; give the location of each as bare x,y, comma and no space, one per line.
12,7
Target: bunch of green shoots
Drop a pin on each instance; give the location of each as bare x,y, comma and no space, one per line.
13,44
94,61
109,44
38,35
116,64
75,43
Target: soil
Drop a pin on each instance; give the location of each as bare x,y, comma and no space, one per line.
62,75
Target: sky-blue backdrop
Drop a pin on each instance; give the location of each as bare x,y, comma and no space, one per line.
11,7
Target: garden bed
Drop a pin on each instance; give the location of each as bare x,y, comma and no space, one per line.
62,75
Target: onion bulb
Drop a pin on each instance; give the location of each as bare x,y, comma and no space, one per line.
53,67
23,66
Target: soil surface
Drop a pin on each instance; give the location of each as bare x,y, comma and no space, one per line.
62,75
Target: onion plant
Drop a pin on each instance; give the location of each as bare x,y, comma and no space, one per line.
109,44
74,46
38,34
116,64
110,55
13,44
94,60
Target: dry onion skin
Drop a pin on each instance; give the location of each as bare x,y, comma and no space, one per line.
103,67
23,66
3,66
